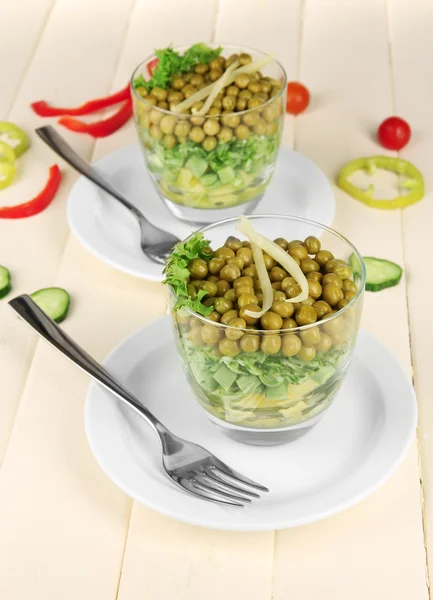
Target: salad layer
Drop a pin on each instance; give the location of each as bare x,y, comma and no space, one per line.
232,173
261,390
210,126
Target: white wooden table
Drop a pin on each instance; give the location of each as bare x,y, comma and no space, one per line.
66,532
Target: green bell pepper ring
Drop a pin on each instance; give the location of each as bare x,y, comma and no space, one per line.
7,174
7,165
414,181
14,133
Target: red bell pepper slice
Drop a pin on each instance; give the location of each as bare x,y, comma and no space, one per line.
39,202
43,109
102,128
151,66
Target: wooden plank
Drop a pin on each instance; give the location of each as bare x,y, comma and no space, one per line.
358,554
19,37
165,560
413,84
70,65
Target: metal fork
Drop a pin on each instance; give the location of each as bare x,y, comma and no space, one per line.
155,243
189,465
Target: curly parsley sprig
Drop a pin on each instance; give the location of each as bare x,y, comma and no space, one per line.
171,62
177,274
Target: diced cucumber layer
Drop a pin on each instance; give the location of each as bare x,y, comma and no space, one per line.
54,302
5,282
381,274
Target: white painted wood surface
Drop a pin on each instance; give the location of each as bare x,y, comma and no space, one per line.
65,530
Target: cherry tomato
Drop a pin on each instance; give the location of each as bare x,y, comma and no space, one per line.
394,133
298,98
151,66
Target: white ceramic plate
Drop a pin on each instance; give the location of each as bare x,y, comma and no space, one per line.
361,440
109,232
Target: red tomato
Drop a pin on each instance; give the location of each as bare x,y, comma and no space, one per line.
298,98
394,133
151,66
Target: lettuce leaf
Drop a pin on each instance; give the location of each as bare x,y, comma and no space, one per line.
177,274
171,62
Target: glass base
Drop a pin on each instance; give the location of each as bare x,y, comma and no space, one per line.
266,437
208,215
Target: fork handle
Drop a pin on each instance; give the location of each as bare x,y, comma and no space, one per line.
30,312
59,145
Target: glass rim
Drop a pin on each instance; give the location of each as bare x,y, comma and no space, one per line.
226,114
339,313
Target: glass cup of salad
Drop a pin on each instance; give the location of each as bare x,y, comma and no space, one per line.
265,329
209,122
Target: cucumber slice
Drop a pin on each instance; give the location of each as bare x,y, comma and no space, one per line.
381,274
54,302
5,282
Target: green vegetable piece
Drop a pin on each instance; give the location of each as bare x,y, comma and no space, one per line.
370,167
155,162
389,163
7,174
209,179
197,166
277,393
225,377
17,135
369,191
410,184
7,155
54,302
177,274
356,266
171,62
381,274
226,175
5,282
248,383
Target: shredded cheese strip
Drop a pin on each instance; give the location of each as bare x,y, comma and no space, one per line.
206,91
265,282
219,85
279,255
200,95
254,66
